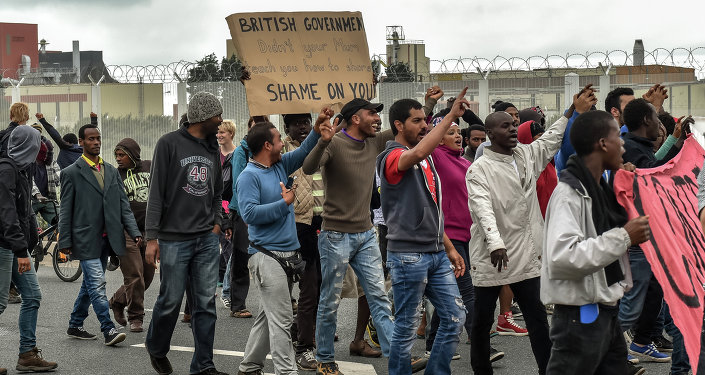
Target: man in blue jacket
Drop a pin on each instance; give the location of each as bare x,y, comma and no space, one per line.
266,206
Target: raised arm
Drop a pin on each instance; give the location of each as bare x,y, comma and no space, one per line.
322,129
545,148
411,157
53,133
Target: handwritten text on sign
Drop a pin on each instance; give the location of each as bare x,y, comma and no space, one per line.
302,61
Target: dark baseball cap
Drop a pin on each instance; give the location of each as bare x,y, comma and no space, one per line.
357,104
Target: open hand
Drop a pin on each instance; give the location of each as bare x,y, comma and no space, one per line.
457,262
656,95
499,259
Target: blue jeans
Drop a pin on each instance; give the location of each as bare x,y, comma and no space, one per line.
92,292
226,281
361,251
28,287
194,260
413,274
631,305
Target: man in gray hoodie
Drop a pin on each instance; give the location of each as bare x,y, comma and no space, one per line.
17,223
182,228
585,268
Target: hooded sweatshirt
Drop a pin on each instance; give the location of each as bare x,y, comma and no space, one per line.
548,179
17,220
452,167
136,180
185,187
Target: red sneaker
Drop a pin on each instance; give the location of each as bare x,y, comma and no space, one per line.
507,327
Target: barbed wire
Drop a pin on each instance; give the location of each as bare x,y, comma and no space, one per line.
182,71
680,57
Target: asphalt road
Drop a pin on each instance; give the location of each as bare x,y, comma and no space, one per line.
92,357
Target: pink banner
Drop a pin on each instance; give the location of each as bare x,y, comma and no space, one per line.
676,250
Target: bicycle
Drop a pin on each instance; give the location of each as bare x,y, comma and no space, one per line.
66,268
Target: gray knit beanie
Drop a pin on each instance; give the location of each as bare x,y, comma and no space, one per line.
203,105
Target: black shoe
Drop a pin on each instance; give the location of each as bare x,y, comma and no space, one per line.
495,355
114,337
161,365
633,369
663,344
113,263
80,333
211,371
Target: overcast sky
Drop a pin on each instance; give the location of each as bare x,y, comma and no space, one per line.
142,32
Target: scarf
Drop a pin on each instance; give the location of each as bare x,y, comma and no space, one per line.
606,212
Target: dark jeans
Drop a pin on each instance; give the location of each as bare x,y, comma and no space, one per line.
137,276
467,291
382,237
226,249
526,294
239,273
583,349
310,284
195,261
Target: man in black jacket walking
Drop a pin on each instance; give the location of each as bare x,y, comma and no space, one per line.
183,223
17,223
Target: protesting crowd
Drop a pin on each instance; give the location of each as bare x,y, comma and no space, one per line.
445,226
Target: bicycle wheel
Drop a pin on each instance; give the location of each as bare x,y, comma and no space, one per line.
66,268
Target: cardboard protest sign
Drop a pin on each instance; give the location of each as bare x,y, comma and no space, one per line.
302,61
676,251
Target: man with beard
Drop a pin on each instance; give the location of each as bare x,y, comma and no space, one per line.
183,222
266,205
417,261
93,217
507,229
474,136
347,163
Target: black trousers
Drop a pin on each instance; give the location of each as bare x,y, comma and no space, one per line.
583,349
527,295
309,285
239,273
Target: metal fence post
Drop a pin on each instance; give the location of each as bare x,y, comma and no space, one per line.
181,100
483,96
572,86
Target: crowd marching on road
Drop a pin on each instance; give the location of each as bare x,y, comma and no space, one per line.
428,225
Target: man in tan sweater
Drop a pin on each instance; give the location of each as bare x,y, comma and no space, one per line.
347,164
